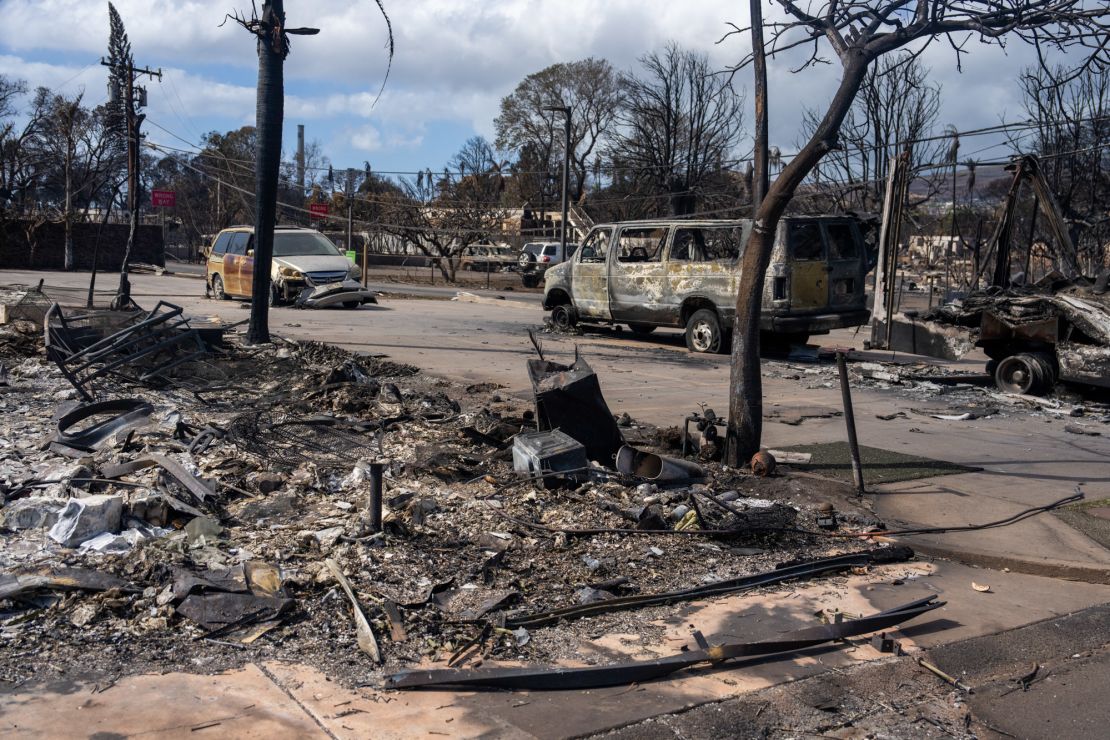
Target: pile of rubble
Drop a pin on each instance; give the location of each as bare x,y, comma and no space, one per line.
950,394
205,503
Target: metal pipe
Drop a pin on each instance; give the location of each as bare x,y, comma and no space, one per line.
850,422
376,470
565,110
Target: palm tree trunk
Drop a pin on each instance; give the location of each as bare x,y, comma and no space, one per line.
270,114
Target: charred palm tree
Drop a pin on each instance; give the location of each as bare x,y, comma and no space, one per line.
273,48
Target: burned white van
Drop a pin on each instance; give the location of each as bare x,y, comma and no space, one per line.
685,274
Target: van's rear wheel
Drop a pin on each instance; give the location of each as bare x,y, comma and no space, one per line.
703,333
564,317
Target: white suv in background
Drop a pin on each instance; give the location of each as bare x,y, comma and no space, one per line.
536,257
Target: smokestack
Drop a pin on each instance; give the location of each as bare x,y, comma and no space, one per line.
300,157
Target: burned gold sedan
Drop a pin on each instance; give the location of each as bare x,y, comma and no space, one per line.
306,269
685,274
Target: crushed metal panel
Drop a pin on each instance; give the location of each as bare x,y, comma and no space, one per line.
568,397
1084,363
543,678
1090,316
995,327
335,294
60,579
918,337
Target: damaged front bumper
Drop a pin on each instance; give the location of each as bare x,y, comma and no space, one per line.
347,293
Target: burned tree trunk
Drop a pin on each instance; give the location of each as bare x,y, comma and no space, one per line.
745,425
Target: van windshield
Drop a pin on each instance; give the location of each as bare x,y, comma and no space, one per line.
292,243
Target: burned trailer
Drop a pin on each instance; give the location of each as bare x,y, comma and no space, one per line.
1035,333
1035,339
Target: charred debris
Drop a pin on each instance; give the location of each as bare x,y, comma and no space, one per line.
1035,333
176,499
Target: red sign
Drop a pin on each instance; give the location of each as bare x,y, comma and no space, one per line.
319,210
163,198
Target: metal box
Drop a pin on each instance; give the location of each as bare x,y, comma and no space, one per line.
541,453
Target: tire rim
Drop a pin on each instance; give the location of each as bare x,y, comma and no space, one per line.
1017,375
561,317
702,336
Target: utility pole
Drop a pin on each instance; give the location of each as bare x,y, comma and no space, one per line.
134,98
300,166
350,207
759,66
566,175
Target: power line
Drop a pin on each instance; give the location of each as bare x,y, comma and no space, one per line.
609,169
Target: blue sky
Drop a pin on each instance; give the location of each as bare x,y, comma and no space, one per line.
454,61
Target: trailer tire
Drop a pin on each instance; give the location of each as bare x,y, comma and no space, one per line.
1027,373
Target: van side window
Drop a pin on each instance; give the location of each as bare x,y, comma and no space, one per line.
238,244
596,246
842,242
707,244
805,241
221,243
641,245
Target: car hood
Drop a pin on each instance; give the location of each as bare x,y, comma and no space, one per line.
314,262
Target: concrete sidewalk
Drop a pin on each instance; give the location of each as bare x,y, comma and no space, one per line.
277,700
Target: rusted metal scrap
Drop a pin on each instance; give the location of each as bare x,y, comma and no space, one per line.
785,572
286,441
145,351
545,678
13,585
568,397
657,468
123,414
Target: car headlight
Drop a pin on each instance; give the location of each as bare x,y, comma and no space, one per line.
289,272
355,273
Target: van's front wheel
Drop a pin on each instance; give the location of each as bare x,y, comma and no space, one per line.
704,334
218,289
564,317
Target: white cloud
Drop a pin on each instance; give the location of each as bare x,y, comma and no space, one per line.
365,138
455,60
